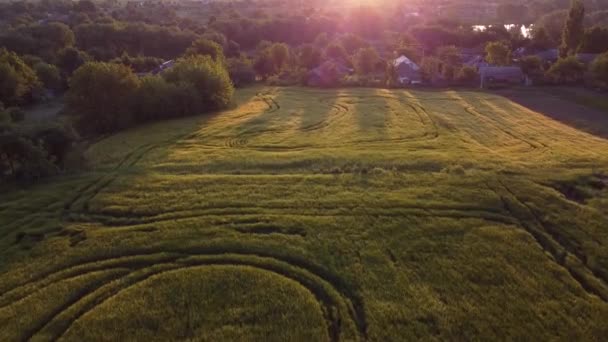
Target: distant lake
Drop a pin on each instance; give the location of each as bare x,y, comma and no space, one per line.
525,30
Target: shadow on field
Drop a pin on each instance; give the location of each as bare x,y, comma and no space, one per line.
563,109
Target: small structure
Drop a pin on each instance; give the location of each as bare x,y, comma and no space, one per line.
497,76
408,72
476,62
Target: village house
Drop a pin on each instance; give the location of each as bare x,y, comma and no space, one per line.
408,72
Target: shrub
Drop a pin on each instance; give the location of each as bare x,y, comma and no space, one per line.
209,78
241,71
206,47
17,79
467,76
49,75
599,69
102,94
567,71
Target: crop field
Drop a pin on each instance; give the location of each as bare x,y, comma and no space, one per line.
321,215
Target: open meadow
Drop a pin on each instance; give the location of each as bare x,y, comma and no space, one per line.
315,215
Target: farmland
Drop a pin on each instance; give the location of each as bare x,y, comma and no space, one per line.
301,214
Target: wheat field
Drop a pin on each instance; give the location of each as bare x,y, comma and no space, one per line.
312,215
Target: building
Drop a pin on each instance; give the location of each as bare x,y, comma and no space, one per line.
408,72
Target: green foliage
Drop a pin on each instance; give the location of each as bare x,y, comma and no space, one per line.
431,68
241,71
567,71
365,61
70,59
449,55
102,94
139,64
540,40
17,79
16,114
498,53
279,52
209,78
573,30
595,40
467,76
553,24
531,65
49,75
353,43
599,69
309,56
206,47
336,51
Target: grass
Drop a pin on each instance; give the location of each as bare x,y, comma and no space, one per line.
300,214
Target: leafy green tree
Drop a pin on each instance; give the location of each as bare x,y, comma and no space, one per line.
540,39
102,94
70,59
567,70
336,51
599,69
309,56
449,55
206,47
321,41
498,53
264,65
49,75
365,60
467,75
209,78
352,43
241,71
431,68
17,79
573,30
595,40
532,66
279,52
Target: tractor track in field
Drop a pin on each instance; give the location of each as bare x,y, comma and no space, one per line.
338,302
552,243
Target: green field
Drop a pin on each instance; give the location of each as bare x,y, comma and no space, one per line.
311,215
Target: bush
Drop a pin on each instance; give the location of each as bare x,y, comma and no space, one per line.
102,94
241,71
17,79
206,47
567,71
467,76
209,78
599,69
49,75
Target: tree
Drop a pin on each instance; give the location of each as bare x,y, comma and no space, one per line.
206,47
573,30
365,60
209,78
353,43
449,55
431,68
532,66
498,53
567,70
309,56
241,71
553,24
336,51
49,75
102,94
540,39
599,69
467,75
321,40
595,40
264,65
17,79
279,52
70,59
